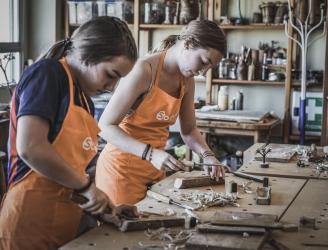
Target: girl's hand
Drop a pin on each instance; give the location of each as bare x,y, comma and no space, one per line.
97,200
215,171
162,160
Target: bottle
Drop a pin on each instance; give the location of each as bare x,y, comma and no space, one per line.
264,71
241,69
240,100
147,12
233,104
223,98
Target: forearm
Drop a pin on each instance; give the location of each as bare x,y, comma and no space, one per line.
44,159
114,135
195,141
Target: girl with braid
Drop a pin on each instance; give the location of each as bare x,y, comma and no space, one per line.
53,136
135,123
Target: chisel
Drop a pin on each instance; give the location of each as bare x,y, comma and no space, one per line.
238,174
167,200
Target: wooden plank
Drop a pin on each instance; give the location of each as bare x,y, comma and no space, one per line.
221,241
152,223
312,202
198,181
260,26
267,123
107,237
286,170
246,82
279,202
279,153
208,228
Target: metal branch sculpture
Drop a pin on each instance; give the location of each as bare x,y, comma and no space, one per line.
3,66
304,31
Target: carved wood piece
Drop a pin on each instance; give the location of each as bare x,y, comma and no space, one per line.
199,181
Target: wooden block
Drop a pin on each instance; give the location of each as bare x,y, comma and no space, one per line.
236,216
207,228
225,242
199,181
152,223
279,153
263,195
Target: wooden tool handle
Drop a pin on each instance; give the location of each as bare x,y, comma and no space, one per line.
79,199
158,197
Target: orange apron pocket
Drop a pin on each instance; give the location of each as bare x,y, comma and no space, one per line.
66,220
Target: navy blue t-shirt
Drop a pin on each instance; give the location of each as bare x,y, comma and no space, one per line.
42,91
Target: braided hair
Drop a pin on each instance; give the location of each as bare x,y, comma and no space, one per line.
95,41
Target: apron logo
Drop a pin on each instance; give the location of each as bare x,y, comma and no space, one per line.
88,144
161,116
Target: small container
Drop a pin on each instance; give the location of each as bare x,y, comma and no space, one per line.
223,98
147,12
223,69
72,12
240,100
84,11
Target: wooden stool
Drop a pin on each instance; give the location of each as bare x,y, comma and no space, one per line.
3,187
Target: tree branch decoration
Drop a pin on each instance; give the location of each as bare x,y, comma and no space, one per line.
4,61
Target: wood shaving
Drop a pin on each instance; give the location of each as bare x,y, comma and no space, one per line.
209,199
246,187
173,239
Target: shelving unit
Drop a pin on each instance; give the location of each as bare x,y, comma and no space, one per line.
253,27
282,84
245,82
143,34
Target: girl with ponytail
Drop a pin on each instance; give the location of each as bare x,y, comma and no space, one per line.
158,90
53,136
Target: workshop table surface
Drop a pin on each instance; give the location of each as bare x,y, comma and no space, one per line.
291,199
279,169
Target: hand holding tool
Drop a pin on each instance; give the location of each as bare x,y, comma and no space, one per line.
107,216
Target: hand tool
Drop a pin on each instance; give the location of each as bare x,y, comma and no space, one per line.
80,199
253,223
207,228
238,174
167,200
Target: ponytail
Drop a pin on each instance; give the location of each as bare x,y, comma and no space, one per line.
58,50
166,43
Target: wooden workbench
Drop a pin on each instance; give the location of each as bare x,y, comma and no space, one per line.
107,237
289,169
255,130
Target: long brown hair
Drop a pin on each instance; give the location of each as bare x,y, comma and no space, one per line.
198,34
95,41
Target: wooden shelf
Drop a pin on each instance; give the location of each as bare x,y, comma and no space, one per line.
253,27
297,84
245,82
160,26
307,137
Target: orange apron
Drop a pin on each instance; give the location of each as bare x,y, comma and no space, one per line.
124,177
37,212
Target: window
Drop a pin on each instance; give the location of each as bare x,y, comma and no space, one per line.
11,39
